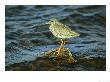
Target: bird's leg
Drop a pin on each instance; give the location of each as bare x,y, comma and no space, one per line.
61,46
64,41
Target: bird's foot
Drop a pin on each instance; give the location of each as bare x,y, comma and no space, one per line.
59,51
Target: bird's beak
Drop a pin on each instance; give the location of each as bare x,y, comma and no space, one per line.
46,23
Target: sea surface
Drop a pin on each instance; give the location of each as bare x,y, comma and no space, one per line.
27,35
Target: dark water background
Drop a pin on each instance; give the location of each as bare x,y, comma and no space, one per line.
27,36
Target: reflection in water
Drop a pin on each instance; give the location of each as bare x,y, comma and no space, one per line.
27,36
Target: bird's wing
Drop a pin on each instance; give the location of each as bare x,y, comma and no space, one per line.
68,30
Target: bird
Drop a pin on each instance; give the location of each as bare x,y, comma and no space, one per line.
61,31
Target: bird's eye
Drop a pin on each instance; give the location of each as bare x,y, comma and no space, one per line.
52,21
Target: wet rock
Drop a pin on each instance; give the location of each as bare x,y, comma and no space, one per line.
64,56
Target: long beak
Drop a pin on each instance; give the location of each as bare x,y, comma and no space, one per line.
46,23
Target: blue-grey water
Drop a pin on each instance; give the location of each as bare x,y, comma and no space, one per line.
27,35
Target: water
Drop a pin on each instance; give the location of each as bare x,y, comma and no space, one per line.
27,36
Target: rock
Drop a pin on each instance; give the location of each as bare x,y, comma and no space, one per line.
65,55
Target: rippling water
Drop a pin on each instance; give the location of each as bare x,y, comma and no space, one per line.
27,36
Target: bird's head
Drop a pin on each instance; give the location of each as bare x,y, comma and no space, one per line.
52,21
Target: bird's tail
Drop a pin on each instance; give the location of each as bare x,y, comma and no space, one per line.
75,34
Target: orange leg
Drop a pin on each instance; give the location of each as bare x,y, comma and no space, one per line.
61,46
